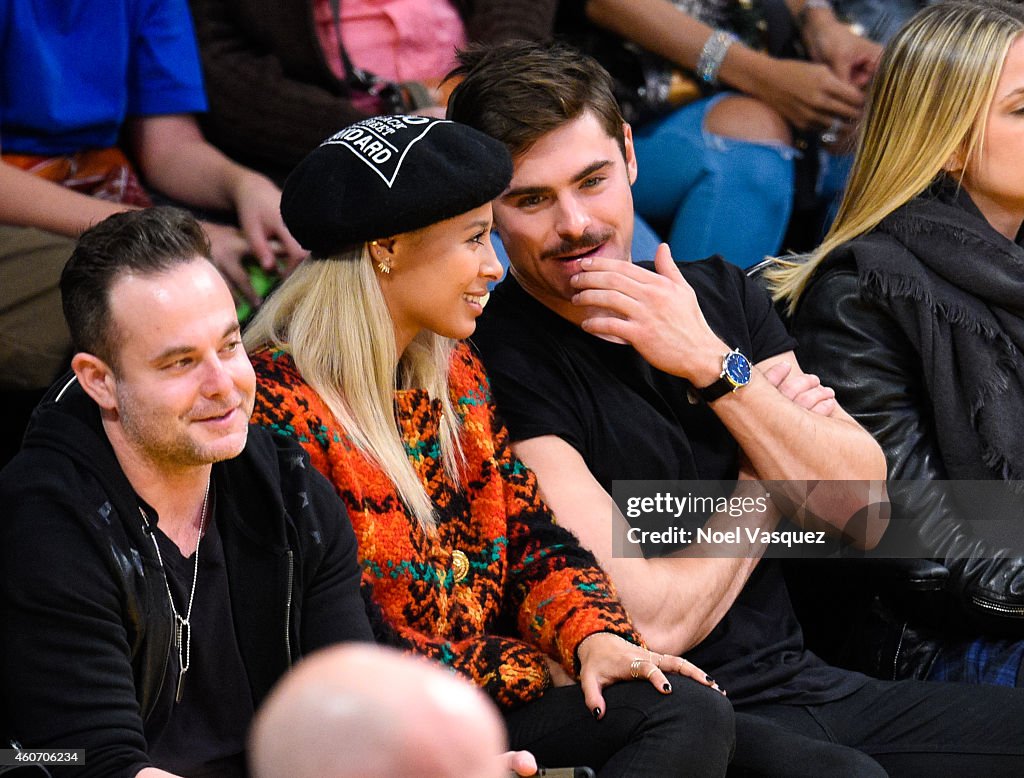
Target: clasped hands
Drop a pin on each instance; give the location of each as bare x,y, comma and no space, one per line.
658,314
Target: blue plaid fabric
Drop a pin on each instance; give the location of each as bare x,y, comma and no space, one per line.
983,660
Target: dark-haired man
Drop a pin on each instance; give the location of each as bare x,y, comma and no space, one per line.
698,383
161,564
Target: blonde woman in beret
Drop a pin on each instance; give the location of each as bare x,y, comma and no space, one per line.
361,357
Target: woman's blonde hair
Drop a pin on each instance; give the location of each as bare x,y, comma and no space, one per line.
330,315
928,102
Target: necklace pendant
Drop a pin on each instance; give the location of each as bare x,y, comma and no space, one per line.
181,686
182,637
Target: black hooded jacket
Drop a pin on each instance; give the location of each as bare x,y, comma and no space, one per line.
85,623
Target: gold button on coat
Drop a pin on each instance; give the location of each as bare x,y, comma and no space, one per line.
460,565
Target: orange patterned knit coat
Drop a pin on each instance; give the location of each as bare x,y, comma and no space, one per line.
530,589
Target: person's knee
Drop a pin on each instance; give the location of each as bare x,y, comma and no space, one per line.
800,761
699,718
745,118
765,746
844,762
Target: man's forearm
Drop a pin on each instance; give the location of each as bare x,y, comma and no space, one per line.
788,443
674,601
659,315
696,586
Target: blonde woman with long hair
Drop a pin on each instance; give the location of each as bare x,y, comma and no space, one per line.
913,310
359,357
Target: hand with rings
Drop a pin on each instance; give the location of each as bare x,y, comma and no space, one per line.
634,666
606,658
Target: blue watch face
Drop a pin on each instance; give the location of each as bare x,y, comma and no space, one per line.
737,369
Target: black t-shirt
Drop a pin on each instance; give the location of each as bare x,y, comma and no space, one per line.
204,734
630,421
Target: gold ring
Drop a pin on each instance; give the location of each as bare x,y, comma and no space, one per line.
653,671
650,658
634,667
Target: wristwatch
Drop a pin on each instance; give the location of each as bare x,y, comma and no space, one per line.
735,375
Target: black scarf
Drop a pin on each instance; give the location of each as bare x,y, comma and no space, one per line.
962,305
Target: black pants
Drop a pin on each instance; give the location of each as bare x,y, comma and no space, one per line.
643,732
901,728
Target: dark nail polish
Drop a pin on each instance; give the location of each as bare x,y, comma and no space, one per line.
667,687
597,713
709,679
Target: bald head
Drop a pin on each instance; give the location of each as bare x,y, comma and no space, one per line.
363,710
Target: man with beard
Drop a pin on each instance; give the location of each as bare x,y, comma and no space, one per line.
606,371
161,564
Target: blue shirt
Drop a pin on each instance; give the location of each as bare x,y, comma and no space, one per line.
71,71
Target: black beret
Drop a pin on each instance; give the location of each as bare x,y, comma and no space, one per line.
390,174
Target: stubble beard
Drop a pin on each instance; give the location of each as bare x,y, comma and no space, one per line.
148,433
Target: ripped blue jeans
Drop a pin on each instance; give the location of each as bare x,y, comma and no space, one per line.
716,195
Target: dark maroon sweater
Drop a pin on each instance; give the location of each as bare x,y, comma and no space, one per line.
273,97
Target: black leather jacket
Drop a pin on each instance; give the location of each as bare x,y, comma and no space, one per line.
855,346
87,622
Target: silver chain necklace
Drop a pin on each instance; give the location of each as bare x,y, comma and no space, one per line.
182,626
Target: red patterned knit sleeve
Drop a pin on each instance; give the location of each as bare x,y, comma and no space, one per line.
560,593
511,671
556,591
